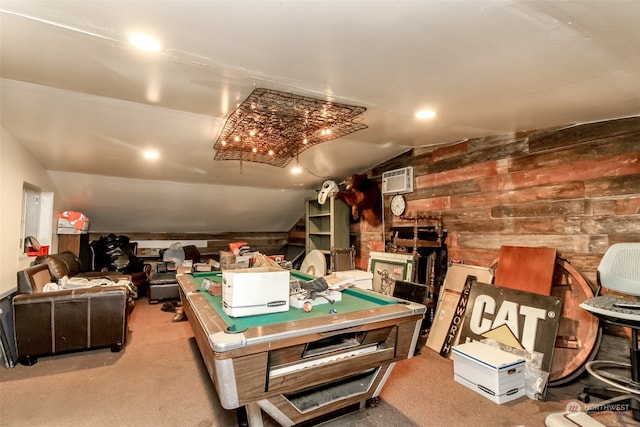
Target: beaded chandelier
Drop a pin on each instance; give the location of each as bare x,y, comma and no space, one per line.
273,127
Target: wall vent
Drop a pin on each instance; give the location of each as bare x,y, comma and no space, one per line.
398,181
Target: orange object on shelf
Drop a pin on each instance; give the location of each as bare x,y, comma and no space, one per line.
44,250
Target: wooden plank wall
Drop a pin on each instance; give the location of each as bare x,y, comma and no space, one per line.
576,189
264,242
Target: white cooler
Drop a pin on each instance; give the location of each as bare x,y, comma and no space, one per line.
252,291
489,371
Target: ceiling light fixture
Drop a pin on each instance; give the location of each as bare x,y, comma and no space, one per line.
280,125
425,114
151,155
145,42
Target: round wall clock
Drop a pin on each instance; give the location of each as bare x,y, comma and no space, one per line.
398,205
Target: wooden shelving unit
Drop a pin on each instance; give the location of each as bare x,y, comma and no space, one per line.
327,226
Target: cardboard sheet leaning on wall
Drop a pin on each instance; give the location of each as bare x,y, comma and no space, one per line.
449,315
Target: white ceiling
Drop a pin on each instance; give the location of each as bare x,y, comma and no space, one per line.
86,104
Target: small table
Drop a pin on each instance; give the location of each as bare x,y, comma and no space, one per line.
298,365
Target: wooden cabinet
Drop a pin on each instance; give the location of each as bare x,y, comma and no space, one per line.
79,245
327,226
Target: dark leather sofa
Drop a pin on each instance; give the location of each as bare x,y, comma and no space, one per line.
70,319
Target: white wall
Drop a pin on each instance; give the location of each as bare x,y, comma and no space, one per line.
17,166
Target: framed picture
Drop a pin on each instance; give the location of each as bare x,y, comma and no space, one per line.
389,267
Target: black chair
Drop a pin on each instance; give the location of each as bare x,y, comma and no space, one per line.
416,292
619,273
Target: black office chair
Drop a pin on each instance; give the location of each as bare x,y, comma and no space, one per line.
619,271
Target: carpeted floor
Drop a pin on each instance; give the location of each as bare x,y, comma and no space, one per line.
159,379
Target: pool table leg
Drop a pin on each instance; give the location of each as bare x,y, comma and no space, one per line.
254,415
372,402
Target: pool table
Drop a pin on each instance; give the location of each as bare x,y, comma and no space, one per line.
296,365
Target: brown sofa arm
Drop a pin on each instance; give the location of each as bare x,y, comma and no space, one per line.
33,279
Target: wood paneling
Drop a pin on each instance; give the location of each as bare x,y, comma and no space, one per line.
549,139
574,188
267,242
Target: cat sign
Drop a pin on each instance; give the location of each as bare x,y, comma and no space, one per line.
532,319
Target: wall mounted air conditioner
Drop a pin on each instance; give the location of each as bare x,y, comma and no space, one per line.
398,181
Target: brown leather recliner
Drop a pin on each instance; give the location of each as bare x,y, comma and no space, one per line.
70,319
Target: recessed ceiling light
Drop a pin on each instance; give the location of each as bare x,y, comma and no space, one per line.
145,42
151,155
425,114
296,169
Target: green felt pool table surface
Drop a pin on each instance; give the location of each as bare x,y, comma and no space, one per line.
353,299
262,361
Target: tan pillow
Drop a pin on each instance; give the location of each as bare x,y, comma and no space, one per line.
40,279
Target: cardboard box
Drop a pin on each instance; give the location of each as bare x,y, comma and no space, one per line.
213,287
226,259
201,266
362,279
184,269
252,291
489,371
65,227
